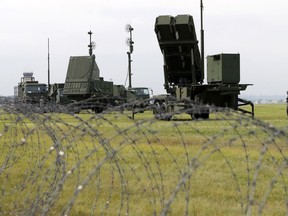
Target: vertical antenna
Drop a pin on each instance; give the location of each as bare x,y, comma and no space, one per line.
129,42
202,37
90,44
48,67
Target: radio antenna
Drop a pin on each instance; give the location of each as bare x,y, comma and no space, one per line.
202,36
90,44
48,66
129,42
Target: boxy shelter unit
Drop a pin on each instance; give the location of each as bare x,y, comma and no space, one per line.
223,68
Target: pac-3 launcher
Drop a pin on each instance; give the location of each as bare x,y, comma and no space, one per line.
184,70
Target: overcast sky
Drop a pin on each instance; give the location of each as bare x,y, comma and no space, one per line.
257,29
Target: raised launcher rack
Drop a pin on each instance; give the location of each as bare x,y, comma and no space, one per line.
183,74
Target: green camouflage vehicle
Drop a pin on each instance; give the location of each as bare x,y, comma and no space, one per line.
85,89
30,91
184,71
138,93
138,99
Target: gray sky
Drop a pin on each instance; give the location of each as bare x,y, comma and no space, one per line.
257,29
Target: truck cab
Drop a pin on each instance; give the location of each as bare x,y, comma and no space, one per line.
29,90
138,93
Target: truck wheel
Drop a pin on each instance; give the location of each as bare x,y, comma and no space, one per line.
161,112
164,108
196,116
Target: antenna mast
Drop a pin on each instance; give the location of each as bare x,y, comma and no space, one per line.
202,36
129,43
48,67
90,44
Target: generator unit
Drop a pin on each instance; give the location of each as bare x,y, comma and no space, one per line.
223,68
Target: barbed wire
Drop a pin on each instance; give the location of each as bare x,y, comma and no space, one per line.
61,163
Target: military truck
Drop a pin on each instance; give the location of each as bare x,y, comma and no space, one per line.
184,72
138,93
84,88
138,99
30,91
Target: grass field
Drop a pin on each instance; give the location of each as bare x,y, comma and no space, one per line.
109,164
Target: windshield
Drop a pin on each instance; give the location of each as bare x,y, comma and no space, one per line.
140,91
35,89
